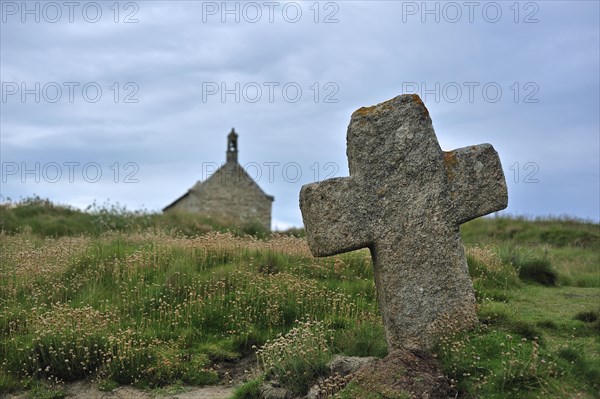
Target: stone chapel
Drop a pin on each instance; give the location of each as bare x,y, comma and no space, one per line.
229,194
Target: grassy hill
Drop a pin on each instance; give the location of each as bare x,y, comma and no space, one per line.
156,300
43,218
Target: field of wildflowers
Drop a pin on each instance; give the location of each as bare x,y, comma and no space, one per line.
154,307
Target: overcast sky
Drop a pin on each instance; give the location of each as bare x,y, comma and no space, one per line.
131,102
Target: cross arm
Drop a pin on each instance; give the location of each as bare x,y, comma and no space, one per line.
335,218
477,183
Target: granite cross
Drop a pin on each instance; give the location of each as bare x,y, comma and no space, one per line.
404,200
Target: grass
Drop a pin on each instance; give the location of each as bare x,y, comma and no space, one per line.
557,232
250,390
43,218
153,308
298,357
158,301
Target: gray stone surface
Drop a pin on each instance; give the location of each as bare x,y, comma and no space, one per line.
269,390
405,199
344,365
230,195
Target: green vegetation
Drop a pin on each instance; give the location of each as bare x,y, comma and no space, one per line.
281,361
158,300
43,218
250,390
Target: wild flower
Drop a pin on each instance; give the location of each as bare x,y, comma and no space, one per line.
298,356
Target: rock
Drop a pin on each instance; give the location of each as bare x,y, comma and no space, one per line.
344,365
271,390
414,373
404,200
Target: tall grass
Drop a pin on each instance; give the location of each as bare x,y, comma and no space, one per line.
116,306
153,300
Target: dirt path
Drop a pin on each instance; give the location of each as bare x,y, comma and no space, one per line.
87,390
232,375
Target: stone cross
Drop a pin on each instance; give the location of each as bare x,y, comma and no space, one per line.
404,200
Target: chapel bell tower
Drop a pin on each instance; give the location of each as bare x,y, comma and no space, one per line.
232,147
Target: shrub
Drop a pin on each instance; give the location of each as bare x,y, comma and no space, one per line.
250,390
588,316
538,271
491,277
529,265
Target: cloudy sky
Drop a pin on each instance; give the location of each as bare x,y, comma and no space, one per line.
131,102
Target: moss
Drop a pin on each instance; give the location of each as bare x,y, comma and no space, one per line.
375,109
417,99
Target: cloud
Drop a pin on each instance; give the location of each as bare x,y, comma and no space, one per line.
289,88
